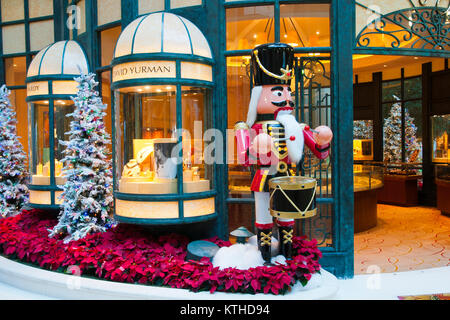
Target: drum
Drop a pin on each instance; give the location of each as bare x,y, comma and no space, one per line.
292,197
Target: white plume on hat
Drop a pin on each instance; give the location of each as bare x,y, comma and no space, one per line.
253,105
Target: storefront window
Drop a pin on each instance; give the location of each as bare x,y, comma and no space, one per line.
197,160
147,128
40,139
249,27
238,95
62,108
305,25
15,71
40,143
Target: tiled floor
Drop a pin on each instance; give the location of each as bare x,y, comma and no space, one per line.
406,238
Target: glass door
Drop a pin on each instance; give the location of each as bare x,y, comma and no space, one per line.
313,107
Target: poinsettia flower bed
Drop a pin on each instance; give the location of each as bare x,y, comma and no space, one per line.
129,254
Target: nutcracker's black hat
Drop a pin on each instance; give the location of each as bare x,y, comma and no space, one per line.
272,64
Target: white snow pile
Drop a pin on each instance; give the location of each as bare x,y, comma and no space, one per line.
242,256
246,256
239,256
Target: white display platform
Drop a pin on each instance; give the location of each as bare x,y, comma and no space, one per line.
62,286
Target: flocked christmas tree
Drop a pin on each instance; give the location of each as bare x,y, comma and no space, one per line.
13,172
393,136
87,194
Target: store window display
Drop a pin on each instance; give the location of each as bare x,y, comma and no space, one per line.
50,86
163,108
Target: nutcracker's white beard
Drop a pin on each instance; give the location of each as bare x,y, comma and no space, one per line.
292,128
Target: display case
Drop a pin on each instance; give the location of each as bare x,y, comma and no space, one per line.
367,177
401,184
50,84
163,150
442,174
368,181
441,144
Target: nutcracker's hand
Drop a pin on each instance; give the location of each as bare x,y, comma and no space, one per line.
322,135
262,144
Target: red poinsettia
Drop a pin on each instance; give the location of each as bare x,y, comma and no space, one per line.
129,254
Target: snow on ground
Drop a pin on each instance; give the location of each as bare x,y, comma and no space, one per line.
242,256
246,256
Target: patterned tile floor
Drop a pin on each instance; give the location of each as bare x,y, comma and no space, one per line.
406,238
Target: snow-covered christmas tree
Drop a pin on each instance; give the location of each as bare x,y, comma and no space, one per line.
87,195
393,136
13,171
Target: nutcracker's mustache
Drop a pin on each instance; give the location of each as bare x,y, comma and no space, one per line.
283,103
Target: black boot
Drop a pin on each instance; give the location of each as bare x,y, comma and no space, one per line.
285,238
264,237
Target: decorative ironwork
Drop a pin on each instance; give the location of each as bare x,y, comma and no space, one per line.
412,28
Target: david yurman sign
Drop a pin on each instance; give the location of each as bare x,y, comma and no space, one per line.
144,69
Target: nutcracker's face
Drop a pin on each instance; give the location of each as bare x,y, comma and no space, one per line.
274,97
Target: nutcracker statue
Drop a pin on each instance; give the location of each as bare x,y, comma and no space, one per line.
273,140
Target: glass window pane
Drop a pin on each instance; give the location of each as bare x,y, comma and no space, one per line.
62,125
40,143
12,10
13,38
82,12
391,89
106,98
413,88
146,140
413,131
108,11
392,132
305,25
197,160
108,39
146,6
40,8
184,3
41,34
15,71
238,95
249,27
19,104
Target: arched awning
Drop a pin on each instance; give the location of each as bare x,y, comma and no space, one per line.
162,46
53,69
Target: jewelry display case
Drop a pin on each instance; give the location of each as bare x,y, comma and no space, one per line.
162,79
401,183
368,181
